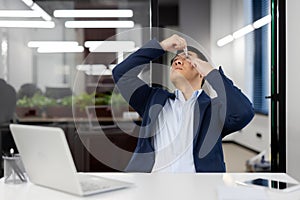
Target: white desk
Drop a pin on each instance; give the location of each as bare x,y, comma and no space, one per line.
151,187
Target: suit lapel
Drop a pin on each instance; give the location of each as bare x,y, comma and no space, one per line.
200,109
156,105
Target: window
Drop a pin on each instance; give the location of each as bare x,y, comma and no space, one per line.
261,62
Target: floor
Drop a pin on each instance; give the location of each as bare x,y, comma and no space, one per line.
236,156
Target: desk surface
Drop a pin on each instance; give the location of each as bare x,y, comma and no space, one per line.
152,187
72,119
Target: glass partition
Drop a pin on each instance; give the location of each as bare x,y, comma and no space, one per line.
56,55
59,61
236,35
43,63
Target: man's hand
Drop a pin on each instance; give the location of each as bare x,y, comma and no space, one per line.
203,67
173,43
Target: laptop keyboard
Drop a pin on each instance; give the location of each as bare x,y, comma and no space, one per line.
90,185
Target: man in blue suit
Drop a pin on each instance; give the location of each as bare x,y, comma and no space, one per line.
181,131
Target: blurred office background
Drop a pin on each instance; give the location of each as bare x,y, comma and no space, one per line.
54,59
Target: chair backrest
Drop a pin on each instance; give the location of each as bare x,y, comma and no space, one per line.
58,92
8,101
28,89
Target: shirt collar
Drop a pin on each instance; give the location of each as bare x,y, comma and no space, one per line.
179,95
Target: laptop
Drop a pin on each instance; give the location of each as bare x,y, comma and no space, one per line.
48,162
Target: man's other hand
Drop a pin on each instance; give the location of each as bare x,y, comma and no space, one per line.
203,67
173,43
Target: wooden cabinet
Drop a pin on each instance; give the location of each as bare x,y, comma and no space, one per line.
90,147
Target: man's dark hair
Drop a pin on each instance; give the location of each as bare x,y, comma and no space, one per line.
199,54
195,50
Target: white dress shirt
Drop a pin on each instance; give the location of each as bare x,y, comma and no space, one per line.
173,140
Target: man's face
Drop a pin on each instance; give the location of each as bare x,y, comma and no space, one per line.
182,68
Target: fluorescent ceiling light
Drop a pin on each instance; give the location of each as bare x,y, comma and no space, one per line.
36,44
26,24
95,69
243,31
261,22
88,67
29,3
98,73
43,14
38,9
225,40
60,49
19,13
109,46
112,66
99,24
93,13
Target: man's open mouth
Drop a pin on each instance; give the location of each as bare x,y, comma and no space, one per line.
178,68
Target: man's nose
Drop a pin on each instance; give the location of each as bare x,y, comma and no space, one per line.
178,62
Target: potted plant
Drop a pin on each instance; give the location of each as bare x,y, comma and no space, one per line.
25,108
33,106
62,108
119,105
80,102
102,105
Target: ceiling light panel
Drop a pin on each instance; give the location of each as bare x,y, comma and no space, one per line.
43,14
243,31
99,24
110,46
19,13
29,3
92,13
261,22
225,40
59,49
26,24
36,44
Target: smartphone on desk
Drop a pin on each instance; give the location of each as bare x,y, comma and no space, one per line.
272,184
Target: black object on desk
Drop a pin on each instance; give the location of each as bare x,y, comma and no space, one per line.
7,107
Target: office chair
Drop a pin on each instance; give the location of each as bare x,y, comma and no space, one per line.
28,89
7,109
58,92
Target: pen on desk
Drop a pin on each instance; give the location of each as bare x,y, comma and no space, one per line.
11,151
18,171
11,160
10,154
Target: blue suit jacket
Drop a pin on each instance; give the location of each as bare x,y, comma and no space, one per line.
214,118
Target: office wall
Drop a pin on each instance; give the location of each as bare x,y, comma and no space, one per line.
25,65
18,59
194,20
293,82
54,69
228,16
